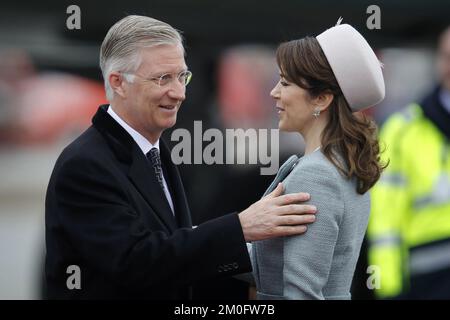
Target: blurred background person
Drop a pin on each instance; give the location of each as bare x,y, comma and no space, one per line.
409,229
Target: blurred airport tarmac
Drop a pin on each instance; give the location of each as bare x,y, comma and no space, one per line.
24,174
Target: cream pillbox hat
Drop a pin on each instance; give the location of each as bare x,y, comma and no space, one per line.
354,64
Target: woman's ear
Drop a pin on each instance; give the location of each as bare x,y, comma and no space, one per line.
323,101
117,83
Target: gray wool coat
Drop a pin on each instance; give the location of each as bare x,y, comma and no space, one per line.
320,263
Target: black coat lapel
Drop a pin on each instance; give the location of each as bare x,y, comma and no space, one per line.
176,188
128,152
145,181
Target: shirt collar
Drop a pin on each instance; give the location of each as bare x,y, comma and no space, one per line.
141,141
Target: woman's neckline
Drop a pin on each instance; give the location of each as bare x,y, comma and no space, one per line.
315,150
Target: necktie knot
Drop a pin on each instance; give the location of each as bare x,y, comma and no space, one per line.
155,160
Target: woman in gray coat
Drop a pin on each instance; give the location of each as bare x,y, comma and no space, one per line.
323,82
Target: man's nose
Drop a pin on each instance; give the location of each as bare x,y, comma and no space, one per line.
177,91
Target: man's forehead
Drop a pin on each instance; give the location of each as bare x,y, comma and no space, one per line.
163,57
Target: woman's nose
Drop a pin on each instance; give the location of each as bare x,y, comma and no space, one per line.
275,92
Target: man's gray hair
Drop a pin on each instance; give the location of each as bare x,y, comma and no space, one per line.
120,50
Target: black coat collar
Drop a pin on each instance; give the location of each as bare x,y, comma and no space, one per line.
435,111
128,152
117,137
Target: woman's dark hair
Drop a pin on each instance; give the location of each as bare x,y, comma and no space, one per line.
353,136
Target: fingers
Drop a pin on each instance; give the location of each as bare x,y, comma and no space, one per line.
291,198
296,220
278,191
284,231
290,225
295,209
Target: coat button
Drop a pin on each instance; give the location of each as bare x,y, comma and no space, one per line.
235,265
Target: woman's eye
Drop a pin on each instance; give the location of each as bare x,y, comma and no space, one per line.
284,83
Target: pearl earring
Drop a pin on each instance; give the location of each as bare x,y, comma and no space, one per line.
316,113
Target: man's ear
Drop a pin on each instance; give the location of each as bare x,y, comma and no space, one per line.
118,83
323,101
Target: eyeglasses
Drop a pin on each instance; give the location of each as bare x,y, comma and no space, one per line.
184,77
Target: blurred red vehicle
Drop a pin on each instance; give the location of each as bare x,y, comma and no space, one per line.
46,107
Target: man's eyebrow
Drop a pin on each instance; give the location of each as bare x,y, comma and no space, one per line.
162,73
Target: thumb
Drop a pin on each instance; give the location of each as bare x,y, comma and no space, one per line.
278,191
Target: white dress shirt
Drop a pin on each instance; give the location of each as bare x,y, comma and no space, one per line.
145,146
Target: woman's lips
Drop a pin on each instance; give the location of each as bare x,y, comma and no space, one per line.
279,109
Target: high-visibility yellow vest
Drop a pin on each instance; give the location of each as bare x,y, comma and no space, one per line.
411,202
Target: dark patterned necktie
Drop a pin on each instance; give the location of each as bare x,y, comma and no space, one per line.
155,160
